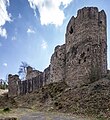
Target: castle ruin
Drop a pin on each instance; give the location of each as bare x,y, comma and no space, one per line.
80,61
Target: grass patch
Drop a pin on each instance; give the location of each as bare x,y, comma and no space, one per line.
6,109
1,111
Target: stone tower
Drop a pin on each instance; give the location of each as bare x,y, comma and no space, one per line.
86,47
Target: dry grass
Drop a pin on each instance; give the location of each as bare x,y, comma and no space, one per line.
14,112
93,99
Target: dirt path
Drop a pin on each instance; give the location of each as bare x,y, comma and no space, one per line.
42,116
51,116
28,114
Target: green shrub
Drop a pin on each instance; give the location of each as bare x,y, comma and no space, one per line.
6,109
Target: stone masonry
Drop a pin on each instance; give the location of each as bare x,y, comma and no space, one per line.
57,65
80,61
32,73
86,46
13,85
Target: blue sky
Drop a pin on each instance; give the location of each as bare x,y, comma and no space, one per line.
30,29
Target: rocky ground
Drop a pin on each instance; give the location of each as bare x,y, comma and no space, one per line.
91,100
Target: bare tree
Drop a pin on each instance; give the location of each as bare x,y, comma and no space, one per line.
23,70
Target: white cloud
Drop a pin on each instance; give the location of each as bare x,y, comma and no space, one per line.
3,32
13,38
44,44
50,10
4,16
30,30
5,64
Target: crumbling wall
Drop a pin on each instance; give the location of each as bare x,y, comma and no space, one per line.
103,41
57,64
46,76
81,60
32,73
18,87
28,86
13,85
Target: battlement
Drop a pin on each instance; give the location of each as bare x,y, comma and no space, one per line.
88,20
87,13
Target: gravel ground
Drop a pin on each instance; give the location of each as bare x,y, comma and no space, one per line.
51,116
28,114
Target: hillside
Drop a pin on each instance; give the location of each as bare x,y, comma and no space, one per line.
92,99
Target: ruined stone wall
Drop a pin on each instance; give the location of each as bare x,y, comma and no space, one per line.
46,76
32,73
81,60
85,57
30,85
13,85
103,41
18,87
57,64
